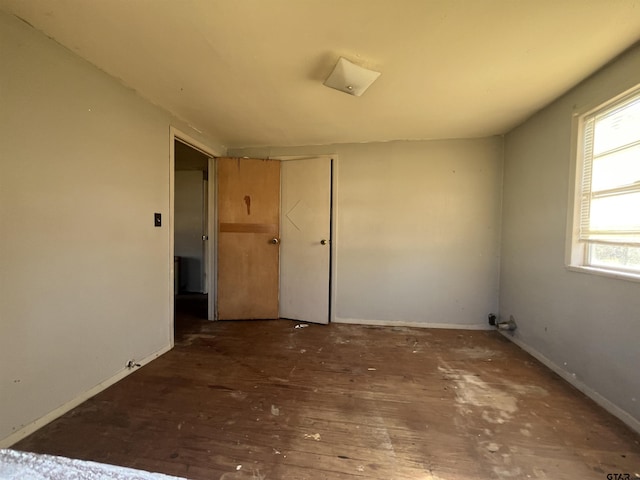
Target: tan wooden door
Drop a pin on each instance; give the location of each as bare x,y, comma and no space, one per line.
248,200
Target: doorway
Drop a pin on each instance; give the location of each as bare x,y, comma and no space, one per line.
190,230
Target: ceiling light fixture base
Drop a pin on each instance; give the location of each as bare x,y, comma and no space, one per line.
350,78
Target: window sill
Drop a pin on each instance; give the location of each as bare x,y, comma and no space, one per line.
603,272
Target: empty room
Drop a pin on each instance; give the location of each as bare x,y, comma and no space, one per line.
320,239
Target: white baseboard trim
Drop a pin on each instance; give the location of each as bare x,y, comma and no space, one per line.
391,323
609,406
61,410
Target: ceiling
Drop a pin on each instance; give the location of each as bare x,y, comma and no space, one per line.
250,72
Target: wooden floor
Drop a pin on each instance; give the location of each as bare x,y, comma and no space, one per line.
269,400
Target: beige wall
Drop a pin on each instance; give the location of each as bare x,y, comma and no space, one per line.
85,277
584,326
417,229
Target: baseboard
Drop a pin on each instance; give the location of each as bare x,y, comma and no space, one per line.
609,406
61,410
391,323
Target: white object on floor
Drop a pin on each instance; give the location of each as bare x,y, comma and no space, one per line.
15,465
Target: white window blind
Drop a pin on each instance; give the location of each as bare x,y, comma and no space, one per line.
610,201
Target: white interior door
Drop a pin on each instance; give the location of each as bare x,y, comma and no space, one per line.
305,227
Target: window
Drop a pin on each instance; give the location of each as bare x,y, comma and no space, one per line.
606,233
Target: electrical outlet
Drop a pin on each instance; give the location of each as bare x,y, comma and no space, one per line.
157,219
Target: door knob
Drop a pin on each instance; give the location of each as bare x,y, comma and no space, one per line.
275,240
324,242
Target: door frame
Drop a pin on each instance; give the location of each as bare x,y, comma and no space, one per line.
176,134
333,236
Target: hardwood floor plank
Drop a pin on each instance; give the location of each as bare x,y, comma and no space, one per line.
266,400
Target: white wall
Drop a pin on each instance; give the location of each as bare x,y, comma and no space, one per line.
188,229
585,326
85,277
417,229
